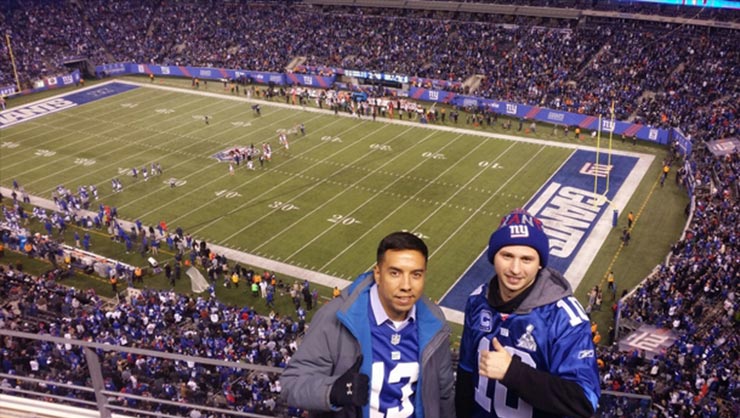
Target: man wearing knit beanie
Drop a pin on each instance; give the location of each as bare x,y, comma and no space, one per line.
526,347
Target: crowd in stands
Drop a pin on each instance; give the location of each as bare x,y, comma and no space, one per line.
43,35
695,295
662,75
154,320
626,6
198,326
657,74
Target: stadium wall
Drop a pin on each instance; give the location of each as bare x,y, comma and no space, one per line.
587,122
43,84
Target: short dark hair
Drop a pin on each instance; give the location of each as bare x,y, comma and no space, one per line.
401,241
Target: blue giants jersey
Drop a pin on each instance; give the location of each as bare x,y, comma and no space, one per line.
554,337
395,370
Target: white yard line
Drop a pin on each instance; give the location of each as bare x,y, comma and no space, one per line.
419,191
112,151
257,197
99,168
39,123
304,191
366,202
21,136
217,148
501,187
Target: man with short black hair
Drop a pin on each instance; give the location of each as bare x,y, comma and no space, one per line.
379,349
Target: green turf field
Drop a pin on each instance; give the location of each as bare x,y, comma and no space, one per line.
324,204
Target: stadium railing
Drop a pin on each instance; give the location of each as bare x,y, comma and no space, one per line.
14,399
621,404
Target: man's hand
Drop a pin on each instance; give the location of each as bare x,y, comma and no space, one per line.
494,364
351,388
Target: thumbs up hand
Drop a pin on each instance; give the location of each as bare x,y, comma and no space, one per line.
494,364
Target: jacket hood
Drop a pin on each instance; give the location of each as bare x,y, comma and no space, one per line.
549,287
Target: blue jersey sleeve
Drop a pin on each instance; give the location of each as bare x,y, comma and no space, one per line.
471,334
573,355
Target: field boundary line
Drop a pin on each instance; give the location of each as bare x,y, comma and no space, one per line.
230,253
454,129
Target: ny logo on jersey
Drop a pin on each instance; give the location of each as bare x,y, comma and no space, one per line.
518,231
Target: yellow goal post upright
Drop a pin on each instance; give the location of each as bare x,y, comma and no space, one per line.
12,61
606,171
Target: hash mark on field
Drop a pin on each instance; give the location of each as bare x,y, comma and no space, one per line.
208,184
375,191
113,151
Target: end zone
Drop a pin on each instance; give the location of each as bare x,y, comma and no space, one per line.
576,220
60,102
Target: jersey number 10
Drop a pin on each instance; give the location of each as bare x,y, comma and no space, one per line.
518,408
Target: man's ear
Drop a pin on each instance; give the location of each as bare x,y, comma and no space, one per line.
376,272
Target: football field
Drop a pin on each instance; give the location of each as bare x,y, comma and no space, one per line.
322,203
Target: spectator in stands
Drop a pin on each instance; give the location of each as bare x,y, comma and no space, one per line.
381,326
524,330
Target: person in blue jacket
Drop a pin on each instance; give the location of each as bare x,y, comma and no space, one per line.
380,349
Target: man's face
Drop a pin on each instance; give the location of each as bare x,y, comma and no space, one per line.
516,268
400,279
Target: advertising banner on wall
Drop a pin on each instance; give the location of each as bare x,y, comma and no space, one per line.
516,110
7,90
45,84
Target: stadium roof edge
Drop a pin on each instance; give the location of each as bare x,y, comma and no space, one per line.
513,9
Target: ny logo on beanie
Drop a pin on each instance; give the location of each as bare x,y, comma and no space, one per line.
520,228
518,231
